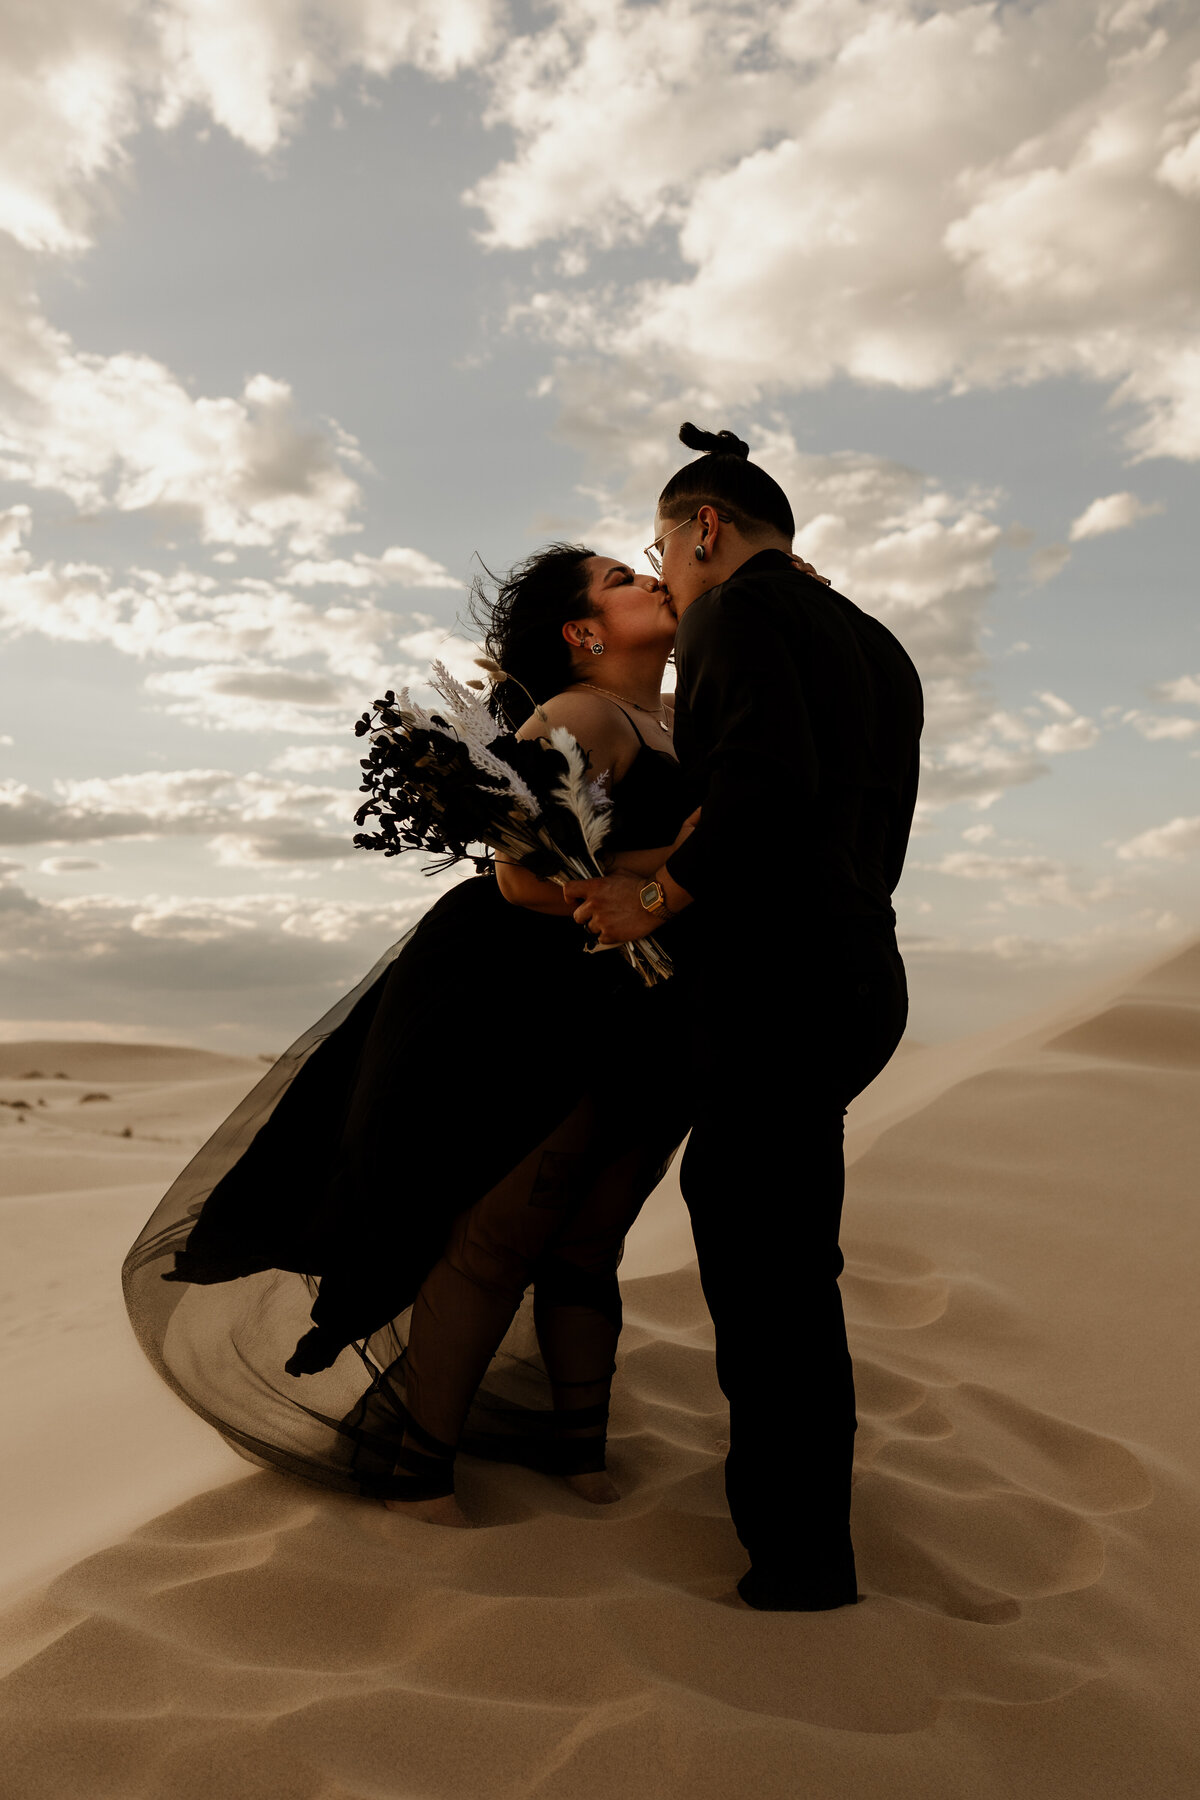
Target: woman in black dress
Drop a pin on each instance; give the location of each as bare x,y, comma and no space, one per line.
484,1113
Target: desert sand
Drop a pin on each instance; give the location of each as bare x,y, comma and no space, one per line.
1021,1240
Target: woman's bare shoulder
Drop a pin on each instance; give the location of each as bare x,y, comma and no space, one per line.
579,710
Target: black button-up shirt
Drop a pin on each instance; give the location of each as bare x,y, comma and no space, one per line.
798,722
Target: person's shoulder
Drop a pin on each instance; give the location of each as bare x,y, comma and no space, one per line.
586,715
579,705
872,628
756,601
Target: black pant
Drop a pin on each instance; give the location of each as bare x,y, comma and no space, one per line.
780,1047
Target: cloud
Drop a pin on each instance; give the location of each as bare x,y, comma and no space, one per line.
916,554
1158,727
239,635
252,67
916,196
219,697
1048,562
612,170
396,566
267,962
1115,512
243,850
956,980
183,802
1069,731
316,759
1024,880
1184,690
79,81
1171,842
67,865
122,432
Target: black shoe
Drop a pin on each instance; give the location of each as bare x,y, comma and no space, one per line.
316,1350
785,1595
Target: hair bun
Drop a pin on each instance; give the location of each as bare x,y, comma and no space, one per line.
716,443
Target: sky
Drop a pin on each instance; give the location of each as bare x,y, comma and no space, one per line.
307,310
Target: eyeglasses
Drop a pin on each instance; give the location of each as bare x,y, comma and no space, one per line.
651,552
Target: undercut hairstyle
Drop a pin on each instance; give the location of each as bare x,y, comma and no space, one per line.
725,479
521,623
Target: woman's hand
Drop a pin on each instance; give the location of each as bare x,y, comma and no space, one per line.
806,568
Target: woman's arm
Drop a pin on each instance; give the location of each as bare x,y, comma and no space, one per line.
605,735
521,888
648,862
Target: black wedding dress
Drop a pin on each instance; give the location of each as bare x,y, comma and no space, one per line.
472,1121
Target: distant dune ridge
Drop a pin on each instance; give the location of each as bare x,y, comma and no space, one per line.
1022,1237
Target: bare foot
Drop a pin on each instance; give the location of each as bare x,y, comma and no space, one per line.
598,1487
445,1510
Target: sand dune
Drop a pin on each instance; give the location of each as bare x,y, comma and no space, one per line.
1021,1238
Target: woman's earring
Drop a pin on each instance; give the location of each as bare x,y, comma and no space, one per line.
700,553
596,649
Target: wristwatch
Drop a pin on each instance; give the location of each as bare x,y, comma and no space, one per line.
655,901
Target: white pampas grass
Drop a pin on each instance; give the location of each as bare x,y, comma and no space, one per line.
578,794
474,724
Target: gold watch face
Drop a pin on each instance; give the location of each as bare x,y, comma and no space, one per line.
651,895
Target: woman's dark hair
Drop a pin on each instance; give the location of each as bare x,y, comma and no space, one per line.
724,478
522,626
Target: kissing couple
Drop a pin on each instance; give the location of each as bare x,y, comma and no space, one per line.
404,1242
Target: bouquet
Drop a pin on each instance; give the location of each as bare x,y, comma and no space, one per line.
444,781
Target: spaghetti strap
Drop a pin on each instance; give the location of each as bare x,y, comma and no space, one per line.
632,721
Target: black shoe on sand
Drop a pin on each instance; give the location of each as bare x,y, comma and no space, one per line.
782,1595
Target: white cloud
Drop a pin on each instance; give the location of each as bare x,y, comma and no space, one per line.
1115,512
240,635
396,567
78,81
123,432
910,195
1157,726
223,697
608,106
1025,880
1057,705
271,962
1163,843
316,759
1048,562
67,865
1184,690
979,834
1070,730
247,850
301,821
916,555
252,66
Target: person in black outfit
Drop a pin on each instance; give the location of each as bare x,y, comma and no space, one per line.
330,1280
798,720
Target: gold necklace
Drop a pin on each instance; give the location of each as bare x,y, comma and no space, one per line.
660,719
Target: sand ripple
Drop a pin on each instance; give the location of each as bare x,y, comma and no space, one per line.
1019,1289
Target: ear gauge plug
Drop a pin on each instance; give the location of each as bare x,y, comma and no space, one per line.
700,553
